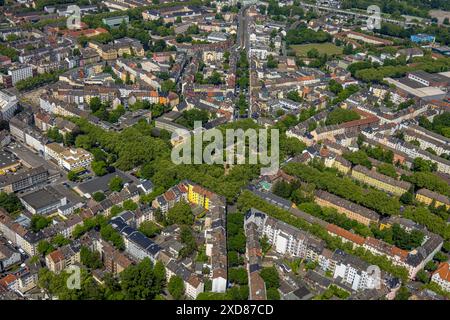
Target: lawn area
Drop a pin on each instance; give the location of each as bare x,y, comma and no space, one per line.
329,48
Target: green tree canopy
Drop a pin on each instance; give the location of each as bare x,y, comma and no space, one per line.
339,115
176,287
39,222
271,277
115,184
10,202
99,196
90,259
149,228
180,213
238,276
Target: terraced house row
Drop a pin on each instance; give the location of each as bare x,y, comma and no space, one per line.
413,260
288,240
380,181
349,209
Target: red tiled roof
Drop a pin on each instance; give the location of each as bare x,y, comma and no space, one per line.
345,234
56,256
305,78
444,271
399,252
194,281
257,287
203,191
360,122
4,282
219,273
182,188
169,195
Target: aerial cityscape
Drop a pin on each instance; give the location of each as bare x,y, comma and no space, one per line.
224,150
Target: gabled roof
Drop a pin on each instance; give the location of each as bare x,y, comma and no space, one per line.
444,271
345,234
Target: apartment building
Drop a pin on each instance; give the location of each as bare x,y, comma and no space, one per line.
349,209
129,46
114,260
427,141
8,257
430,197
338,162
19,236
21,128
345,235
192,283
63,257
354,271
216,243
442,276
137,245
105,51
169,198
379,247
24,179
20,72
412,151
68,158
8,105
199,195
429,134
23,280
67,227
414,261
380,181
285,239
253,254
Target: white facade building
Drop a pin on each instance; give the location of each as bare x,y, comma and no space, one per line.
442,276
20,73
8,105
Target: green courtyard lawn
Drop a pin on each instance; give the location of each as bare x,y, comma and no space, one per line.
329,48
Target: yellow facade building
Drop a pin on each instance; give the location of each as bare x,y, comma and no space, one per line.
349,209
428,197
380,181
199,196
